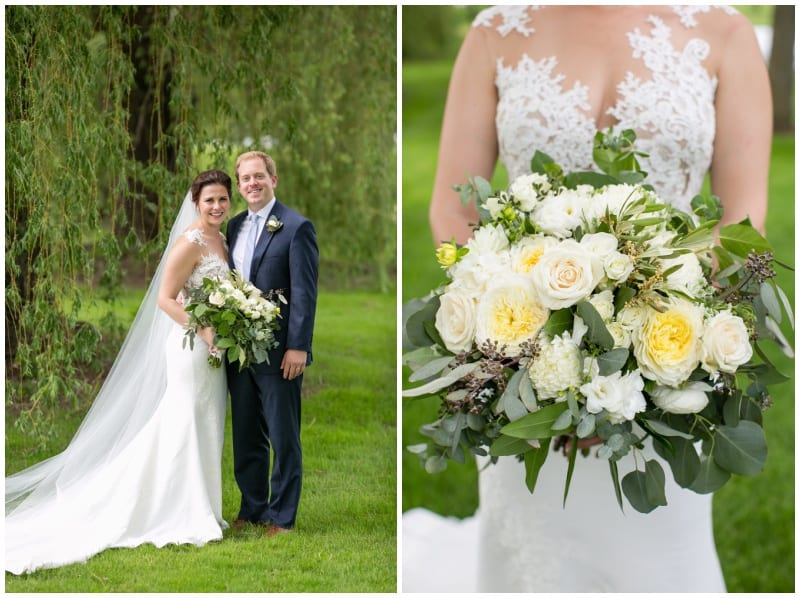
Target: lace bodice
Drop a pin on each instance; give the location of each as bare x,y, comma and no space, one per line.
211,264
667,97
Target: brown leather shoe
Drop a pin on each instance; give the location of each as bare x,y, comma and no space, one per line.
274,530
240,524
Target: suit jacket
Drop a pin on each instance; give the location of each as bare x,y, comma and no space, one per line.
287,260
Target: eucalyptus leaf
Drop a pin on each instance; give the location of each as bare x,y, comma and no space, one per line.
431,368
443,382
684,461
586,426
598,333
664,429
741,449
526,394
710,478
435,464
415,313
612,361
770,299
558,322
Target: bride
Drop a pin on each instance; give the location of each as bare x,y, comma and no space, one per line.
145,464
693,85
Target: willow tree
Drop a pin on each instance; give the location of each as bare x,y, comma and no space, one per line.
111,110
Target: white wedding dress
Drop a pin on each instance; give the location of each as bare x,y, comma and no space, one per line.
518,542
145,466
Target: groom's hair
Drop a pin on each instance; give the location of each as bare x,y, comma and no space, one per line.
268,162
210,177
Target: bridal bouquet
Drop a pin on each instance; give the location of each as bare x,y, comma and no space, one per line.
586,307
244,319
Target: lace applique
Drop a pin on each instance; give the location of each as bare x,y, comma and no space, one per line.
210,265
514,18
672,112
686,13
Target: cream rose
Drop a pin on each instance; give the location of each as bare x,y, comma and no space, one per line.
620,395
510,313
692,398
566,274
668,346
688,278
726,343
216,298
618,266
455,320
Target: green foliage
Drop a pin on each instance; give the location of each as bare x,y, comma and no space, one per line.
315,86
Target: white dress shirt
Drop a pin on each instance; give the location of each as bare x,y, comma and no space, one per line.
244,232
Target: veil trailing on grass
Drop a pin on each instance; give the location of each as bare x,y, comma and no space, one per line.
126,401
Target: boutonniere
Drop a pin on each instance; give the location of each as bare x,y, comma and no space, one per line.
273,224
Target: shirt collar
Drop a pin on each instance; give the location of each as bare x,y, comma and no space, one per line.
264,212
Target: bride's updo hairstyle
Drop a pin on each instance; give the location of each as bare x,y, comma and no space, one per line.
210,177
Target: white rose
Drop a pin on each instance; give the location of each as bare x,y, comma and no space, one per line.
566,274
603,302
632,317
668,346
557,367
692,398
688,278
559,215
600,244
621,335
620,395
610,198
455,321
216,298
618,266
510,314
526,189
726,343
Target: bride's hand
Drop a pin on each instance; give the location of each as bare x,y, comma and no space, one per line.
207,334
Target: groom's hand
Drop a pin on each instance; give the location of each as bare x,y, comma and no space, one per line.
293,363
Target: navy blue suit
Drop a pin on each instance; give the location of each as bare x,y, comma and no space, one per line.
265,408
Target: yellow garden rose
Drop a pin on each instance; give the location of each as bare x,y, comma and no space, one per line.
668,346
510,313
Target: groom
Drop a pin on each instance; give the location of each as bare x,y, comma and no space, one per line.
276,249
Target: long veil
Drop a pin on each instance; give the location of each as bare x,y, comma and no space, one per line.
126,401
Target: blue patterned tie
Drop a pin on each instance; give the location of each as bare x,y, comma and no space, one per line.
250,248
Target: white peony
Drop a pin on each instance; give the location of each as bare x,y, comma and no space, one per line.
510,313
478,270
566,274
558,215
620,395
668,346
692,398
557,367
528,188
488,239
456,319
726,343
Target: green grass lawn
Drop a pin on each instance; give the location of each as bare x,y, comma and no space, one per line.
345,540
754,517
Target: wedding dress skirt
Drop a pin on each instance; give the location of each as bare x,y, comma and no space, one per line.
581,548
165,487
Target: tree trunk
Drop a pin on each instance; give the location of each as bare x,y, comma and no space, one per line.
150,116
781,68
